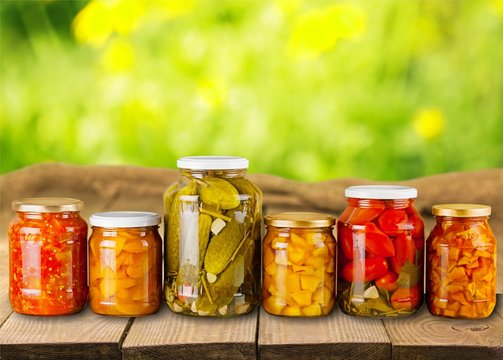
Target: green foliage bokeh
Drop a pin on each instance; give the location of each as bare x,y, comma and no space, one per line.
310,90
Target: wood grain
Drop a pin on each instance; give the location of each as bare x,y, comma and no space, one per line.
428,337
171,336
336,336
81,336
5,309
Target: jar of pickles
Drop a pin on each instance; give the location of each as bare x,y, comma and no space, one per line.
125,261
461,262
299,264
48,257
212,238
381,244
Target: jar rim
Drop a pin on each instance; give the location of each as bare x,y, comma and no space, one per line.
212,163
300,220
124,219
461,210
381,192
47,204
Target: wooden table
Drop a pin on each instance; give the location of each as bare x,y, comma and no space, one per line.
257,335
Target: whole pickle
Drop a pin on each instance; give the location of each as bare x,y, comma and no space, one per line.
204,236
222,291
222,246
168,197
244,186
173,231
220,193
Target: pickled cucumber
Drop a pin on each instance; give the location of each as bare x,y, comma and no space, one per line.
173,230
204,235
222,291
222,246
219,192
244,186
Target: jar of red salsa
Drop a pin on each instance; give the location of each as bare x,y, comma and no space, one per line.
48,257
381,243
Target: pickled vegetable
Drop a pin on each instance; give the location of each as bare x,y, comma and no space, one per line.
125,271
381,258
172,231
48,263
299,272
212,253
461,269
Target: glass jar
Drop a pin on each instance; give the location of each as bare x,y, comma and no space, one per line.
381,245
461,262
299,264
212,238
125,263
48,257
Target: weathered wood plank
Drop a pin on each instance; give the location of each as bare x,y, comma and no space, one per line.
170,336
428,337
336,336
5,309
81,336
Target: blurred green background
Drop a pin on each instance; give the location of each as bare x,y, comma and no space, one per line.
309,90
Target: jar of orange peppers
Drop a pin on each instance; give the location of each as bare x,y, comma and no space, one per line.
48,257
299,264
381,242
125,260
461,262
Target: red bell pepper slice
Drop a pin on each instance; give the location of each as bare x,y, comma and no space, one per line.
364,270
405,250
345,236
360,216
406,299
393,221
377,242
387,281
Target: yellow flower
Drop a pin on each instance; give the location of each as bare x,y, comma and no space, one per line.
118,57
93,25
429,123
99,19
318,30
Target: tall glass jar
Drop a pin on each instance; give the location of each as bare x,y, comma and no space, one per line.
212,238
461,262
299,264
48,257
381,245
125,262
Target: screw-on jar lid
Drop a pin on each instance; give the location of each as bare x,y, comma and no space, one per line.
212,163
47,204
381,192
124,219
300,220
461,210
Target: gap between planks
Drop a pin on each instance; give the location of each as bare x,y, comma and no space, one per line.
174,336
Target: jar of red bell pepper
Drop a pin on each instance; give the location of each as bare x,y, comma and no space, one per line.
461,262
381,244
48,257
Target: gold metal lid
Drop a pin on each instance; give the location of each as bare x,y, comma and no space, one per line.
47,204
461,210
300,220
